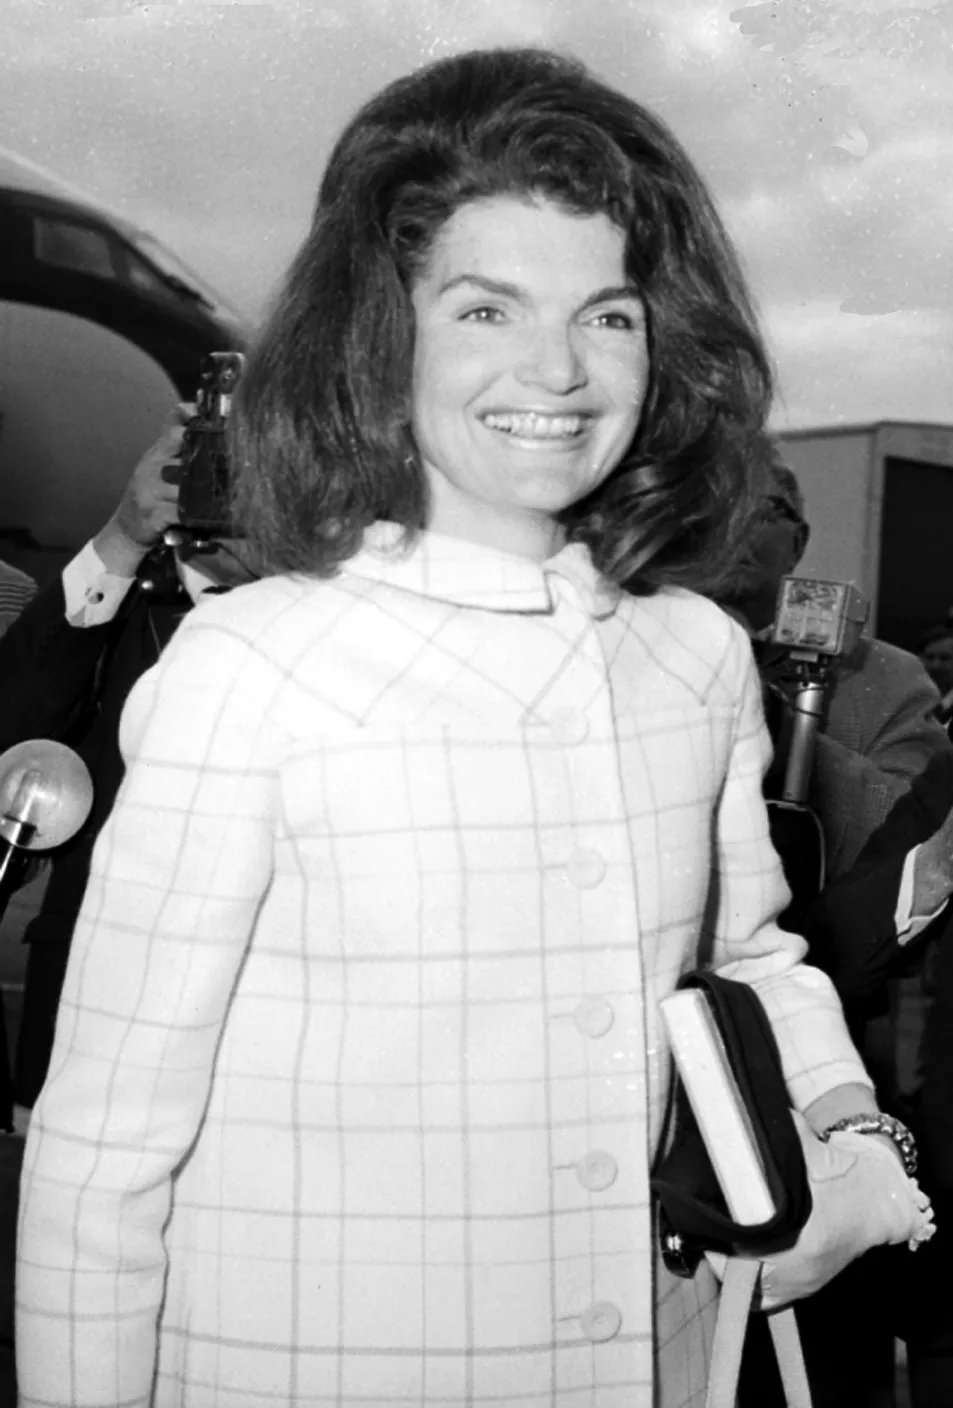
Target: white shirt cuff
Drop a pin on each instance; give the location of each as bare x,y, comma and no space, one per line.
910,925
93,595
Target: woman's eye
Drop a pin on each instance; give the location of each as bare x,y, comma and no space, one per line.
624,322
483,314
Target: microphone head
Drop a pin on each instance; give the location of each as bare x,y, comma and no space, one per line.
45,794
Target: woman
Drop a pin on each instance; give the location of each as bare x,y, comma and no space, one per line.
359,1069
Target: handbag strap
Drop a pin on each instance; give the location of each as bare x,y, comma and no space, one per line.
787,1347
737,1290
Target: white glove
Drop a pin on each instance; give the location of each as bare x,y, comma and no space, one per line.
862,1199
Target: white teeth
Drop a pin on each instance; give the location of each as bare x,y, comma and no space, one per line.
530,425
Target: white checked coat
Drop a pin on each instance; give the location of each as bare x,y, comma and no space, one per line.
358,1073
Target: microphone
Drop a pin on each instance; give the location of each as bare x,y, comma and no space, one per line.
45,796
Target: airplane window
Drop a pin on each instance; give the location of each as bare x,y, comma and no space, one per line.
70,246
142,277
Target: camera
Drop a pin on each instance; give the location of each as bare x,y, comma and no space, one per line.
203,501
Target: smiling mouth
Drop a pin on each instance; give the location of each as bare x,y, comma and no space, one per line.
531,425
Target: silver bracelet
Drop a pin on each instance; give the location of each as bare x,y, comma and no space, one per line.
879,1124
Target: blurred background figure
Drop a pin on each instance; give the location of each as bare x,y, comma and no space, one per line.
878,735
879,732
937,656
68,664
864,928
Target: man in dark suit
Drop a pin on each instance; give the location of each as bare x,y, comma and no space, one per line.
878,735
68,664
860,929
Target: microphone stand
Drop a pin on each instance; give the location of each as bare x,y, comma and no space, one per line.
813,678
16,833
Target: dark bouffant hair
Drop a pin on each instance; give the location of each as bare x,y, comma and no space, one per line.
321,441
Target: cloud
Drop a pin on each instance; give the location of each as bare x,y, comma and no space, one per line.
877,230
835,368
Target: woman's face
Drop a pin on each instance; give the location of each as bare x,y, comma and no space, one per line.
530,368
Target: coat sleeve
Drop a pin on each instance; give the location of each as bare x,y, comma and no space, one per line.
879,736
935,1122
750,892
850,926
47,669
178,873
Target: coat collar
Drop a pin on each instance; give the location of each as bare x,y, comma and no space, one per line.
468,574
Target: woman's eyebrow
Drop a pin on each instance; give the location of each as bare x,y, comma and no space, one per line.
497,286
613,293
503,289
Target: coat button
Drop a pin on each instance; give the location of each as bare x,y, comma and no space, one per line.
585,869
568,725
593,1016
601,1322
597,1171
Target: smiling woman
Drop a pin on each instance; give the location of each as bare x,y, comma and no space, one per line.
360,1072
413,174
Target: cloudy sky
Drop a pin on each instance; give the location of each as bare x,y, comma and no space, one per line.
825,128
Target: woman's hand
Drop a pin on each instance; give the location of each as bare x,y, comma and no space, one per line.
862,1199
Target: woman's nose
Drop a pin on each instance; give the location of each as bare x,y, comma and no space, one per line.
553,359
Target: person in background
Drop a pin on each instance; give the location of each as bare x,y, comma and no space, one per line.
17,589
936,653
359,1070
860,930
879,730
878,736
68,663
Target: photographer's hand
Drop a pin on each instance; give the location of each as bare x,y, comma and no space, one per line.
933,871
148,505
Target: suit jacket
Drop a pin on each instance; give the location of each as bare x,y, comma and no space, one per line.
850,926
71,683
878,736
852,936
359,1069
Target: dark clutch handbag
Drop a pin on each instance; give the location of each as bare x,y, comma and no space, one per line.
693,1214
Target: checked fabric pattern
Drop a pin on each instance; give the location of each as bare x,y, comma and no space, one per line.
358,1072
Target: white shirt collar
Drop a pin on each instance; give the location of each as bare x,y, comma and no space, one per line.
470,574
